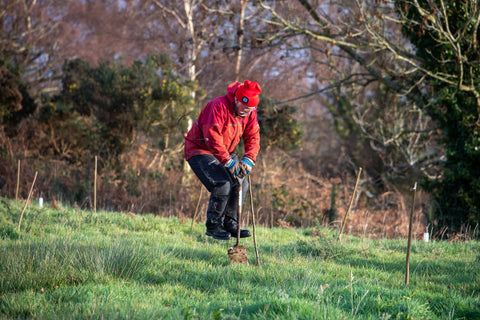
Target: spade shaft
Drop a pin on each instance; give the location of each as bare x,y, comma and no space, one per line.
240,200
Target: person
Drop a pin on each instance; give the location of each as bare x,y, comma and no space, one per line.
209,151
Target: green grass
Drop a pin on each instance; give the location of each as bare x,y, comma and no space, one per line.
74,264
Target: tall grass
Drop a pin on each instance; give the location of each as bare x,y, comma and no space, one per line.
74,264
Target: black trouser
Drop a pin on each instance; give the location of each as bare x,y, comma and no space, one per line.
223,206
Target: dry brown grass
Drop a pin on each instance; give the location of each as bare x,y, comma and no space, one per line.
285,195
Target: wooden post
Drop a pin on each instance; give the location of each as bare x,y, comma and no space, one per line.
350,206
18,180
253,219
28,199
95,188
409,245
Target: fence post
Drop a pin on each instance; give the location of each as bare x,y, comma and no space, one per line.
409,245
95,188
28,199
350,206
18,181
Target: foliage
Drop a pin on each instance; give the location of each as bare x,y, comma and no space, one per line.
388,136
353,74
121,102
433,66
352,50
446,39
31,34
279,127
15,101
128,117
124,115
291,209
70,263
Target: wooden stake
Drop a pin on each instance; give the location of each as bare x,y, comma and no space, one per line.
350,206
18,180
28,199
95,188
253,220
409,245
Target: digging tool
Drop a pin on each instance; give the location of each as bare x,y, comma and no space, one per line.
240,202
238,253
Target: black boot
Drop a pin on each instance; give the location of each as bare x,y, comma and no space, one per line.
219,234
215,218
231,226
244,233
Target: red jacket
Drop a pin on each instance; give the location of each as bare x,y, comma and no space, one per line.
221,130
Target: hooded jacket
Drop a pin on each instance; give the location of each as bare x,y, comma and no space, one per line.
218,130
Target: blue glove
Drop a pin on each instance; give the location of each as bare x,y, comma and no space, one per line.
233,167
246,166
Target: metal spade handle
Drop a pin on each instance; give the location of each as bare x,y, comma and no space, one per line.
240,200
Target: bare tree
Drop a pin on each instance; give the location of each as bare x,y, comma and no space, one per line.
195,33
30,38
362,67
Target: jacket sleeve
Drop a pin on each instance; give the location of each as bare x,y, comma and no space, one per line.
251,137
212,127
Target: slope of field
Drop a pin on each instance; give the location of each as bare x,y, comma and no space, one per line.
67,263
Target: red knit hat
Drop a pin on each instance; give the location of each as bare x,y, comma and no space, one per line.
248,93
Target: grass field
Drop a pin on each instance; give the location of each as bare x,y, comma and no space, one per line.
71,264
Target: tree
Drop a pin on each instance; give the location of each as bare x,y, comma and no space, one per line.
29,39
10,95
446,38
435,73
106,108
15,101
279,126
382,131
